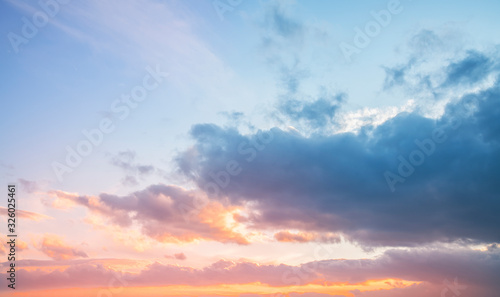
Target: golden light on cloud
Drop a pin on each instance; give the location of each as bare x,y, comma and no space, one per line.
225,289
60,199
287,236
55,247
221,219
123,265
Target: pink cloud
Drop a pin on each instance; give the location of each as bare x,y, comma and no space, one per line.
165,213
54,247
5,247
473,269
178,256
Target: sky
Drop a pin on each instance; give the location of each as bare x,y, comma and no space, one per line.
251,148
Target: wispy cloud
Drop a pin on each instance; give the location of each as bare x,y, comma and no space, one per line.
126,160
25,214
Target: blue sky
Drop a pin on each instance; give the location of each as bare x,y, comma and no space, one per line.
212,83
71,71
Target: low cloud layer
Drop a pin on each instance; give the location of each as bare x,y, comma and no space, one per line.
433,268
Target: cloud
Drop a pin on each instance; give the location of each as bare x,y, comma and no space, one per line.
291,77
59,199
125,160
313,295
28,186
416,290
286,236
130,180
280,27
54,247
128,265
396,76
5,247
290,45
316,114
338,183
282,24
234,118
164,213
178,256
472,69
426,40
429,267
25,214
437,64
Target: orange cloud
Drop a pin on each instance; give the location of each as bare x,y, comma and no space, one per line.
25,214
54,247
252,289
222,278
20,245
396,273
168,214
48,266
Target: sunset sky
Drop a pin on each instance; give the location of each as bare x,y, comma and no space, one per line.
251,148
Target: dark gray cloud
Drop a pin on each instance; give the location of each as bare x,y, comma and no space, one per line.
432,265
339,183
